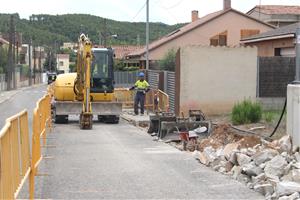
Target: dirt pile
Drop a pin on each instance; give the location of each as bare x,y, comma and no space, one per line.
223,134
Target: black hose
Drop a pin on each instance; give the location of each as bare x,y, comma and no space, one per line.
278,123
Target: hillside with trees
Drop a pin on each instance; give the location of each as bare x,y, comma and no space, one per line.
53,30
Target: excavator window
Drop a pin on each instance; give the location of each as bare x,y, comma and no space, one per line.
101,69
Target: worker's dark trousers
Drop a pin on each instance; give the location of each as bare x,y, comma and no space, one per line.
139,98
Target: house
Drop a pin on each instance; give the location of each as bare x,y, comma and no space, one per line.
37,56
121,53
224,28
63,63
277,15
278,42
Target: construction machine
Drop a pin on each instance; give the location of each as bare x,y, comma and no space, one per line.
89,91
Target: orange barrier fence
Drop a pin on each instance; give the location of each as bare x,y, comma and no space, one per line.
155,100
41,123
15,155
16,163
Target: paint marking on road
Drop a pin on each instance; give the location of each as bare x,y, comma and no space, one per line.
161,150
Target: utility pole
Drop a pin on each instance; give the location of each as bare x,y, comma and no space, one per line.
138,40
298,54
29,62
14,58
10,53
34,62
147,36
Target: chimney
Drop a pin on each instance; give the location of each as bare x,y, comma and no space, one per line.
194,15
226,4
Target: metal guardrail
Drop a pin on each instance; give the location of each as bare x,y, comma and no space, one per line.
16,163
126,97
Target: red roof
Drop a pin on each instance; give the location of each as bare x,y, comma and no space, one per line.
189,27
277,9
121,51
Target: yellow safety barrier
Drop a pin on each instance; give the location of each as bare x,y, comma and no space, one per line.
15,155
41,122
16,163
127,98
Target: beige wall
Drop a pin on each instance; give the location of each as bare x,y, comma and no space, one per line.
267,48
214,78
231,21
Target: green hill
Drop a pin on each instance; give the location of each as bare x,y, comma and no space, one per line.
48,29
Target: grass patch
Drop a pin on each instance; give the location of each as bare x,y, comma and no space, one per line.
246,112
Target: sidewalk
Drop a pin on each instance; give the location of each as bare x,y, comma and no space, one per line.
6,95
136,120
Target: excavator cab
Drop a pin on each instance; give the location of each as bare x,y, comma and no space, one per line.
102,76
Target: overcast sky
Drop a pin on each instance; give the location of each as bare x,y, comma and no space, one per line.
166,11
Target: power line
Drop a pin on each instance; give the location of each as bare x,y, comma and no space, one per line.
140,10
173,6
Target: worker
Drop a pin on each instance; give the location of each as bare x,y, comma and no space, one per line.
142,86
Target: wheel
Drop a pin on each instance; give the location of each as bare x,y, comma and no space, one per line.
61,119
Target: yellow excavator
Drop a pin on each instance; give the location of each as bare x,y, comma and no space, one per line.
89,91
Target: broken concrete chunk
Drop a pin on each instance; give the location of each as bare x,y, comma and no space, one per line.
296,165
242,159
264,155
287,188
236,171
293,196
296,175
228,166
203,159
230,148
233,158
275,167
297,156
288,177
285,144
251,169
258,179
265,189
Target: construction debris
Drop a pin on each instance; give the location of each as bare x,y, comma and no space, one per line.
270,168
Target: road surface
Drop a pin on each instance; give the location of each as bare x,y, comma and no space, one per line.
20,100
122,162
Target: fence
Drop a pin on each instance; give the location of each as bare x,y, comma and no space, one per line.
127,98
15,155
124,79
16,163
274,73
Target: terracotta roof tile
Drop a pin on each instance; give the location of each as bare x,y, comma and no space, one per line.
121,51
278,9
188,28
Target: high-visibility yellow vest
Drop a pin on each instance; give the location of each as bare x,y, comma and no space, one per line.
141,85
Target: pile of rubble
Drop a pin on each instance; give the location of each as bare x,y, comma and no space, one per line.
271,168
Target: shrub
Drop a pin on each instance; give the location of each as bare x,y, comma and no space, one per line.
246,112
268,116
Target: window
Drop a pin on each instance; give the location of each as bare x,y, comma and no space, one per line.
277,52
219,39
61,63
245,33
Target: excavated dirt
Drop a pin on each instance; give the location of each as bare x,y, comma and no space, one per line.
223,134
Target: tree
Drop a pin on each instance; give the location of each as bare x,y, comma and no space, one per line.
3,59
50,62
168,61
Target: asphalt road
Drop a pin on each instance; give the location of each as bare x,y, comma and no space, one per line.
22,99
122,162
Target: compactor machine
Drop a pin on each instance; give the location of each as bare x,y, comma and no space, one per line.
89,91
